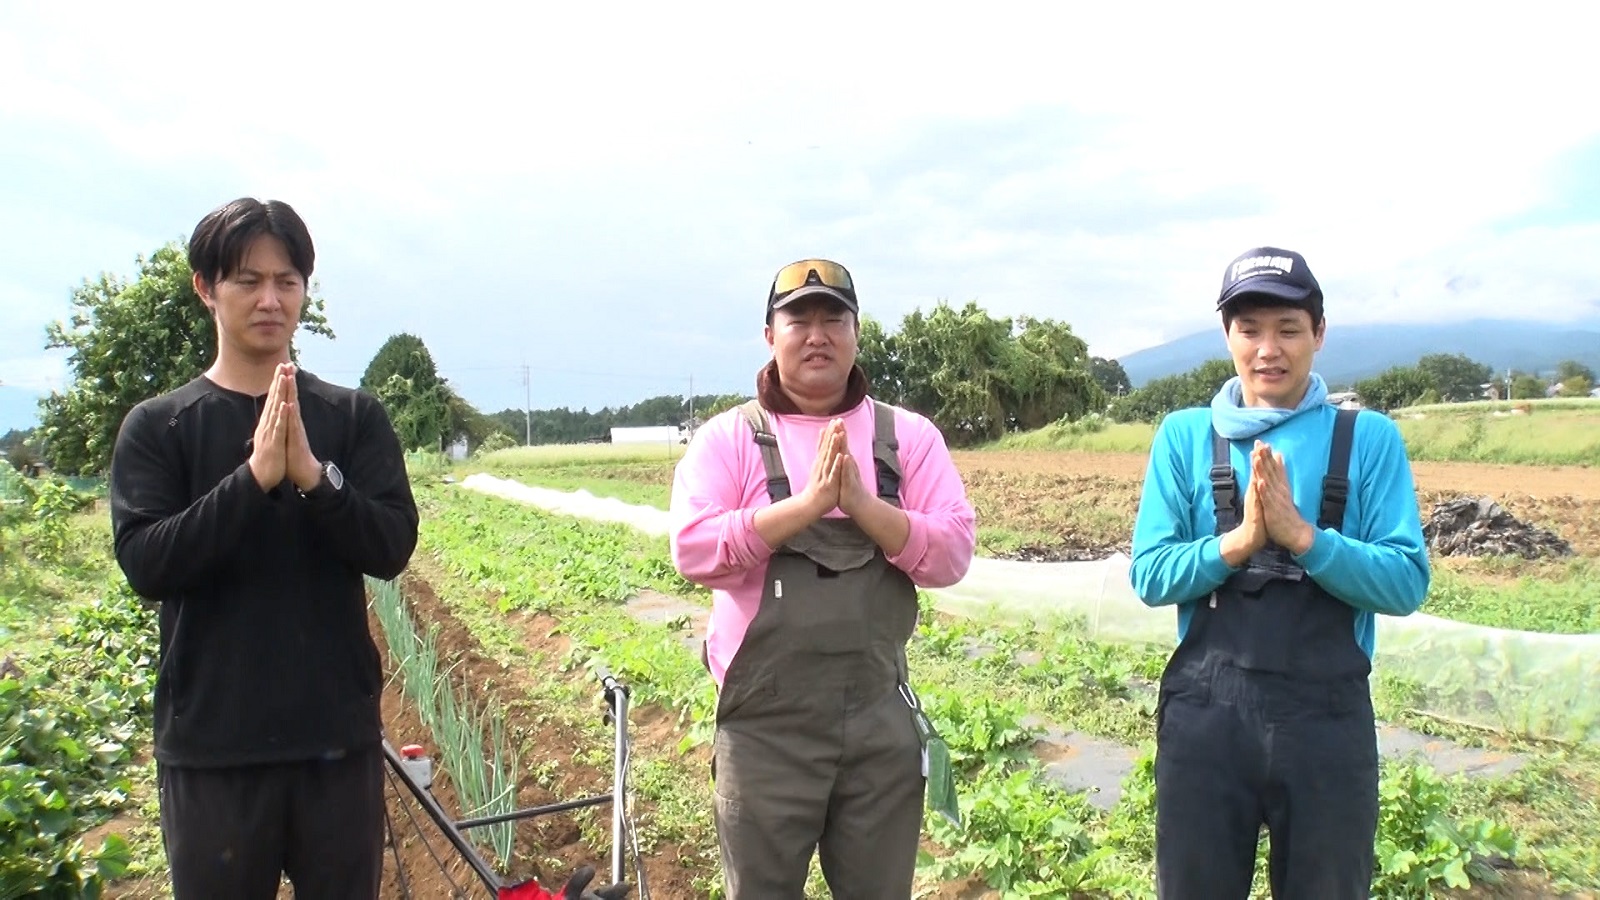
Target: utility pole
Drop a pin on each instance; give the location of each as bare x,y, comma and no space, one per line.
691,401
527,405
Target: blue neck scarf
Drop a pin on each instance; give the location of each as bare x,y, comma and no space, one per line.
1235,421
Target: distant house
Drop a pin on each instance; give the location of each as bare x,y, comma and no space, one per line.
649,434
1345,400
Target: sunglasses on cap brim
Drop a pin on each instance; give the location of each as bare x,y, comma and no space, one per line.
797,275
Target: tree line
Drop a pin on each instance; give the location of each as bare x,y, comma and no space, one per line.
1434,378
976,375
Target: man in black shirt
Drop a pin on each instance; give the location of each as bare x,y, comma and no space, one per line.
250,502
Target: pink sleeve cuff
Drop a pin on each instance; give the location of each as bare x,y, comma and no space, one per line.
910,556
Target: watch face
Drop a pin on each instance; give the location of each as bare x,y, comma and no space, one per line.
335,477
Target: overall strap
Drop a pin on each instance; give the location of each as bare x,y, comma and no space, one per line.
1224,484
1336,484
886,453
777,478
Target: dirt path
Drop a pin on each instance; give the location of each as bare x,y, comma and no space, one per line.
546,747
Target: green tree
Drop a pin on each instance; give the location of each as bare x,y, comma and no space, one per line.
975,375
1109,374
1046,375
1455,376
878,354
1394,387
1568,369
129,341
497,440
709,405
18,447
1160,396
1527,387
1577,386
402,375
465,422
513,421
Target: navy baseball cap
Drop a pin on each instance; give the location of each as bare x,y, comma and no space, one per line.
1271,273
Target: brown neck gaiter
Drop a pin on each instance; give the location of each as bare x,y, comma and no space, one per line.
772,396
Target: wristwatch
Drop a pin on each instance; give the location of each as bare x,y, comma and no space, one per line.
331,483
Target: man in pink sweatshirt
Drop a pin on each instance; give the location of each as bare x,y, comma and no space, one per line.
814,513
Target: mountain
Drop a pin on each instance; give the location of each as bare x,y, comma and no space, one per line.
1354,352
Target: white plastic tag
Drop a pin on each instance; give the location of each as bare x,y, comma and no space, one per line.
924,761
777,588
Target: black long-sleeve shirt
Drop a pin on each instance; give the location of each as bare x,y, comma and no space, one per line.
265,651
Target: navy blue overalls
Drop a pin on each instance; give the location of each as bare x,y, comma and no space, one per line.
1265,718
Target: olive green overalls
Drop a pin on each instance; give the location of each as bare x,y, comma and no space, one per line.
815,749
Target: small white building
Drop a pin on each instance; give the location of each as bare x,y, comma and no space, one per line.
648,434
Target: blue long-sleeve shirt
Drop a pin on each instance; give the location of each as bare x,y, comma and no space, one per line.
1378,563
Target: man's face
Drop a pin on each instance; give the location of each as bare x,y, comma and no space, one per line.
1273,348
257,307
814,343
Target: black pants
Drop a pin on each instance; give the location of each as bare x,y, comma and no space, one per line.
1238,751
235,832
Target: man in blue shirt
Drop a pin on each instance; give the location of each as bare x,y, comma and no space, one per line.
1279,526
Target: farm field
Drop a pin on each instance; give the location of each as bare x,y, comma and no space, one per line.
1051,505
520,604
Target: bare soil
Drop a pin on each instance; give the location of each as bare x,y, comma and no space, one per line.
1086,501
542,739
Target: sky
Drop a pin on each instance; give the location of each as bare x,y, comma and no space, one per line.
601,193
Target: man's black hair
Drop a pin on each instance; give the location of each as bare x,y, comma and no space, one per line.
219,242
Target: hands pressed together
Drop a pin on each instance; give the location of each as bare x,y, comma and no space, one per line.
279,447
835,478
1269,511
835,483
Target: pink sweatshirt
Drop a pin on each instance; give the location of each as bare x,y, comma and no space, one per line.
720,483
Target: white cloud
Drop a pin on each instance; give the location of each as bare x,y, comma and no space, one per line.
479,177
34,374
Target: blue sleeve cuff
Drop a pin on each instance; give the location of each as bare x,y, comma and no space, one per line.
1212,565
1321,552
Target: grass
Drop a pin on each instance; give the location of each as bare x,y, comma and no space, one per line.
491,561
557,455
1562,599
633,474
1092,434
1587,405
1557,432
35,599
1022,511
993,684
